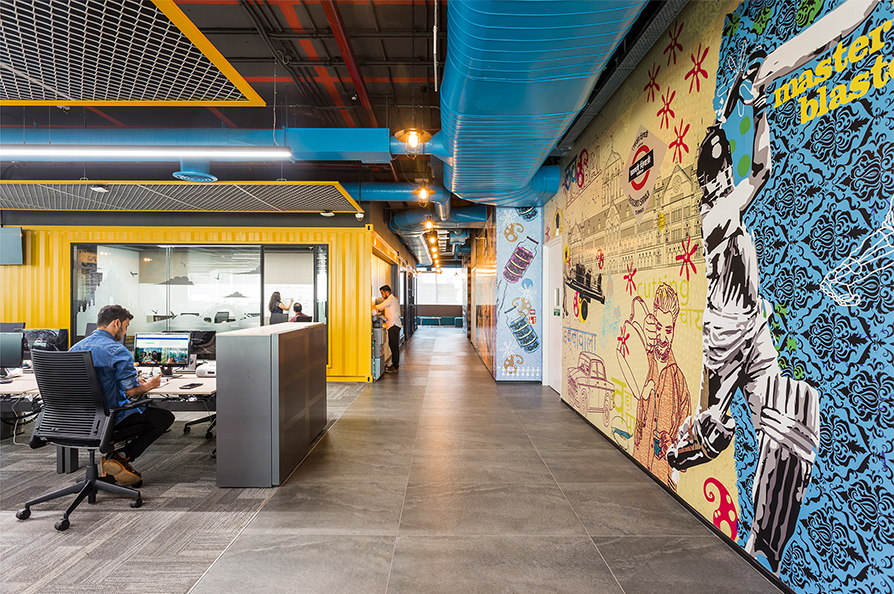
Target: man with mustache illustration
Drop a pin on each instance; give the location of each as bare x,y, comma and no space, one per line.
665,402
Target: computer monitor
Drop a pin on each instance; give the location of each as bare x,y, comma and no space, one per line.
202,343
12,348
161,350
45,339
11,326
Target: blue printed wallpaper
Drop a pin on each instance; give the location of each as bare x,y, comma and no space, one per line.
518,296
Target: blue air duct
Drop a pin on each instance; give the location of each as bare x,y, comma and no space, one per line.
410,225
398,192
516,75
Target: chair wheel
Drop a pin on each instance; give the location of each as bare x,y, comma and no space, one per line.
62,524
138,502
209,435
23,514
186,429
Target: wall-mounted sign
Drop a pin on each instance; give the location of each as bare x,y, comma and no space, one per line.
645,160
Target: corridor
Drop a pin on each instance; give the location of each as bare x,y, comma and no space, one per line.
438,479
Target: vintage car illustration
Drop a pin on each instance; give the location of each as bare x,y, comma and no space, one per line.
587,384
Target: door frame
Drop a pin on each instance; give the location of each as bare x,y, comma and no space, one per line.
547,305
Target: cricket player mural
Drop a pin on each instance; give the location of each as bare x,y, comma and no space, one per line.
767,401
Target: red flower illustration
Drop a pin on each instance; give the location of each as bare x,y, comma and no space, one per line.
674,44
686,257
653,86
678,145
697,68
665,113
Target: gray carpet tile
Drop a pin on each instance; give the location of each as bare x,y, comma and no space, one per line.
165,546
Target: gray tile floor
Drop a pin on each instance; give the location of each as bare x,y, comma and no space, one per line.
438,479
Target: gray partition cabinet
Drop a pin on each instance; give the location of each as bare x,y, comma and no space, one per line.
271,401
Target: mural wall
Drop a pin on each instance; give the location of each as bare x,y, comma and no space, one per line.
519,286
729,279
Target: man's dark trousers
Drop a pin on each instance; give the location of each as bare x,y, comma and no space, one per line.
394,345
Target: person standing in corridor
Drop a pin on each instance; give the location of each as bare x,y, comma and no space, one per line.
390,308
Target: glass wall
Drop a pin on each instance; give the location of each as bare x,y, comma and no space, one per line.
290,271
441,289
210,288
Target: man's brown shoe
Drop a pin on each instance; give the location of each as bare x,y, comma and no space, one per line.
117,466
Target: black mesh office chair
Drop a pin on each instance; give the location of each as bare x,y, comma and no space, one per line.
279,318
75,415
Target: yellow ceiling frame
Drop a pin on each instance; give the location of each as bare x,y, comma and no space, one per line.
95,182
170,9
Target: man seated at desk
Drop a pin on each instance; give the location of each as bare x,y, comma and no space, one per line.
115,370
299,317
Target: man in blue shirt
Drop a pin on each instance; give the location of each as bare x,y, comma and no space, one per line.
115,370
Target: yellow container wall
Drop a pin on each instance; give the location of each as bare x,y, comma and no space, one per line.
39,293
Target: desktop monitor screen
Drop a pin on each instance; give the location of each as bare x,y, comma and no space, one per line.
11,349
46,339
203,344
11,326
157,349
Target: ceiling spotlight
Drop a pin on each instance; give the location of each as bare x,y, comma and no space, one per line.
100,189
327,213
358,216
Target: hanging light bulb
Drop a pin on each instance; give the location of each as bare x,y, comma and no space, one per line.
423,194
429,224
413,137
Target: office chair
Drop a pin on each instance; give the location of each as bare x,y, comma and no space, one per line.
75,415
222,316
279,318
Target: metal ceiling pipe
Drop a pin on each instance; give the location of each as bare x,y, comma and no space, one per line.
410,226
458,237
516,75
399,192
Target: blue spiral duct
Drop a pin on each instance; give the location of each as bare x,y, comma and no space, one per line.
516,75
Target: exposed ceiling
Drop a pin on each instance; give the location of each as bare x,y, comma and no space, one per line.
288,52
313,64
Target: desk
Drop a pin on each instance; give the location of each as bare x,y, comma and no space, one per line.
21,384
18,396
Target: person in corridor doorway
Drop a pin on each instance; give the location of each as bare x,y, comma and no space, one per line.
390,308
739,351
116,374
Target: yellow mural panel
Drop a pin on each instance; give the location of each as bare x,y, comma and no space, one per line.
635,286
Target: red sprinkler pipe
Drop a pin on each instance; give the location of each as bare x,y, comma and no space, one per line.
333,15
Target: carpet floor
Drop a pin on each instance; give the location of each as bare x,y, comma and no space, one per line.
184,525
